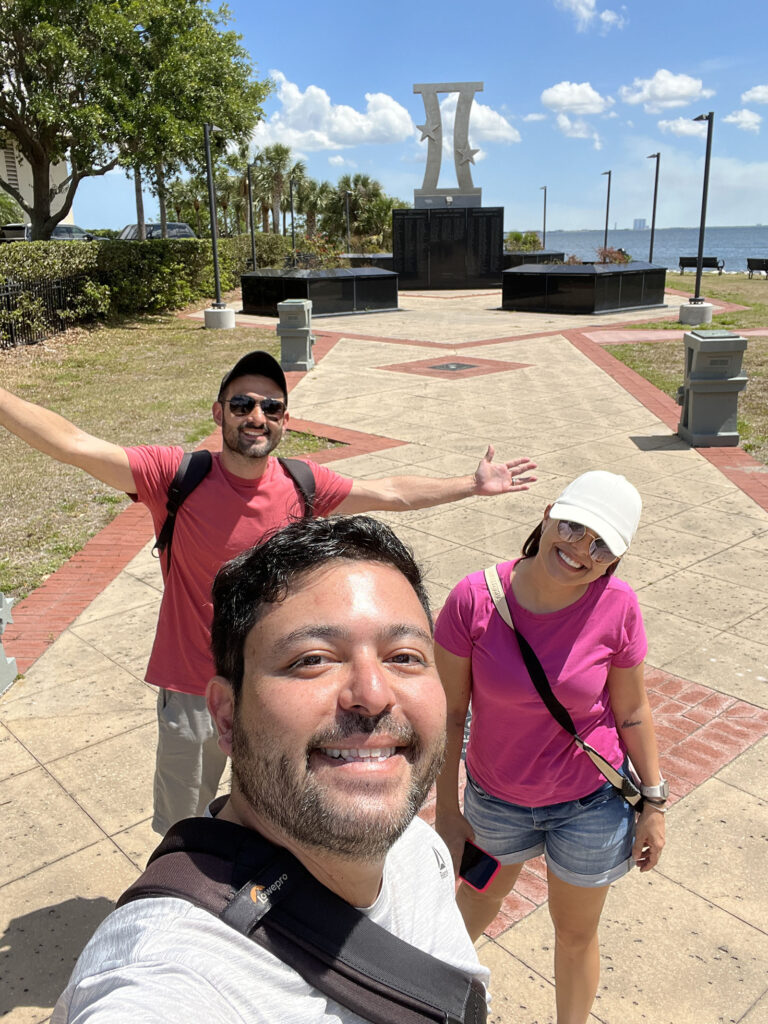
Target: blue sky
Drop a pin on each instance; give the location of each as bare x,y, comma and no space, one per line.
572,88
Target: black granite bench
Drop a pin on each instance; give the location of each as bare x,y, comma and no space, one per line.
757,263
707,263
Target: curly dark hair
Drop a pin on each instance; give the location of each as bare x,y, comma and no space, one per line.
266,573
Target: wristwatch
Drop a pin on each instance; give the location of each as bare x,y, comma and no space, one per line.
658,793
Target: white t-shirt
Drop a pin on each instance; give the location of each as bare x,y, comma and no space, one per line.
164,960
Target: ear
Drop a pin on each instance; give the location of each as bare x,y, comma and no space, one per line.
220,698
547,510
217,411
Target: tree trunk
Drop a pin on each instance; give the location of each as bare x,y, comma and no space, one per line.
160,173
142,230
265,218
311,217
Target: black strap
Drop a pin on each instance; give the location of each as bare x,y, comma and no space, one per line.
265,893
304,479
627,786
193,469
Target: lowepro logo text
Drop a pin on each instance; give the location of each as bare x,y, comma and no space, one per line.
260,894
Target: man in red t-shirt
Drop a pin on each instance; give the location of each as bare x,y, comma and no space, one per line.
246,494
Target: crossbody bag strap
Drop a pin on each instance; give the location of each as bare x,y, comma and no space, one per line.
539,679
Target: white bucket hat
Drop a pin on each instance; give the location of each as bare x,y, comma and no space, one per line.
606,503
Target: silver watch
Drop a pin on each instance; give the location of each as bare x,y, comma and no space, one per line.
660,792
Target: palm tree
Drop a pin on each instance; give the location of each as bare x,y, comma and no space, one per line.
296,174
361,190
312,199
276,160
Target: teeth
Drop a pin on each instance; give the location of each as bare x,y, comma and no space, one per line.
569,561
362,754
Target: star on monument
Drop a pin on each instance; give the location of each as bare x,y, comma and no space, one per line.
428,131
467,155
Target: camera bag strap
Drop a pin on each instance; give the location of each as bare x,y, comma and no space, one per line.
626,786
265,893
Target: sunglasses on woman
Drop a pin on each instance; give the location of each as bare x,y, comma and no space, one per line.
598,549
242,405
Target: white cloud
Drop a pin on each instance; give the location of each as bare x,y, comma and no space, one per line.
585,12
684,126
485,123
611,19
339,161
747,120
578,129
575,98
310,121
535,117
664,90
758,94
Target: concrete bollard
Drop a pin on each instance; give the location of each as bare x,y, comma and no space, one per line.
7,665
295,330
219,319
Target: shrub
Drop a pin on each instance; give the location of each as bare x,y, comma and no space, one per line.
610,255
523,241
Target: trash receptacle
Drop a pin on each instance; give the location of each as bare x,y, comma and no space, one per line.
709,395
295,330
7,665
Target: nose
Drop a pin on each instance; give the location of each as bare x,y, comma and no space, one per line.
367,687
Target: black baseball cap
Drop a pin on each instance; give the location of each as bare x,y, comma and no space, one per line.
259,364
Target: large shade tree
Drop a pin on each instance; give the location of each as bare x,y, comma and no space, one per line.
129,81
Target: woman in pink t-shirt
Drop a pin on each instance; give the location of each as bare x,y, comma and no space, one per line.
530,789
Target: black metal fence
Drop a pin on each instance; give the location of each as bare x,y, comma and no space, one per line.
31,311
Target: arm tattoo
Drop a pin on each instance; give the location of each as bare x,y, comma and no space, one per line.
626,724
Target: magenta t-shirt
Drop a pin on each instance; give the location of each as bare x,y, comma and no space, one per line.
517,751
223,516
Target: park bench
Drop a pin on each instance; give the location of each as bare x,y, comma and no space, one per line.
707,263
757,263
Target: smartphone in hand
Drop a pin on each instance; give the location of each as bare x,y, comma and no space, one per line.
478,868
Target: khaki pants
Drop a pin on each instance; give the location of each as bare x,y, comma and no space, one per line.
189,762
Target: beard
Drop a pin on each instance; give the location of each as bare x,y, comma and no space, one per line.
251,448
355,823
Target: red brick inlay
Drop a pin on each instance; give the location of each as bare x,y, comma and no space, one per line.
480,367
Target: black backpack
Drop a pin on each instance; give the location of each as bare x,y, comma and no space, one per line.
264,892
193,469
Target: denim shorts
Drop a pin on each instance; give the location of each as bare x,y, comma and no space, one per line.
586,842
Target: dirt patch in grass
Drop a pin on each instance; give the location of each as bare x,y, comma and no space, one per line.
662,363
148,381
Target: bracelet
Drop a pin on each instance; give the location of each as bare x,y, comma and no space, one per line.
655,807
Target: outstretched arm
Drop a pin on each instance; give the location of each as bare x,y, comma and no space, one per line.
53,435
632,712
401,493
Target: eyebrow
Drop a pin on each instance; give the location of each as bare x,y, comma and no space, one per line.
396,631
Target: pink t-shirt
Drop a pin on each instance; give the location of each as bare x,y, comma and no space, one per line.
223,516
517,751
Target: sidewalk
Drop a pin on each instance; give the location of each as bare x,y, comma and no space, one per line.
424,390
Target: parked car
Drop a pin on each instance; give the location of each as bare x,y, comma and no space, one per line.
61,233
176,229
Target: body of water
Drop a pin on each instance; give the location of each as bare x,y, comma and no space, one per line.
733,245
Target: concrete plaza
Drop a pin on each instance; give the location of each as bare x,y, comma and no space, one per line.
424,390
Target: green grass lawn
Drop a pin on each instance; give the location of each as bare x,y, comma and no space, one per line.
148,381
661,362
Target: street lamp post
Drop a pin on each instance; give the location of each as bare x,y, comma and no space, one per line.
250,212
347,194
709,118
293,228
607,212
207,129
657,157
544,228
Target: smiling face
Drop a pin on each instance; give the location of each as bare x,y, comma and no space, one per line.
339,728
255,435
568,562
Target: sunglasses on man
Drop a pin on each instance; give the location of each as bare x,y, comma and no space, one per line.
243,405
598,549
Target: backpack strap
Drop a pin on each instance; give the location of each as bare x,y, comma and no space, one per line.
265,893
304,479
193,469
